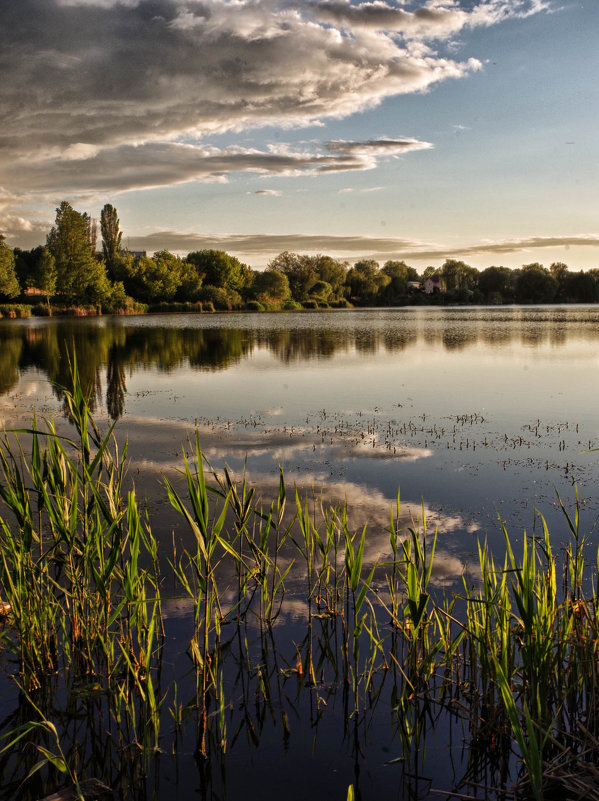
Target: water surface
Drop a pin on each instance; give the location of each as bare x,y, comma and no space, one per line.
471,412
467,413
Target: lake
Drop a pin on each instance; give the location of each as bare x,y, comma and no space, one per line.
471,412
468,414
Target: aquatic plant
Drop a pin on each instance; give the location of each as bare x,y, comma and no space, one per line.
513,659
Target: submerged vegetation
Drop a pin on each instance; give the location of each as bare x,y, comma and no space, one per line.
285,624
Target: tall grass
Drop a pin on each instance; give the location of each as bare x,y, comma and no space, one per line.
514,657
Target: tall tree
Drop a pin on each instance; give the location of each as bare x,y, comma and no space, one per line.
332,271
92,232
26,265
80,276
364,280
300,271
399,274
9,286
458,275
46,274
111,237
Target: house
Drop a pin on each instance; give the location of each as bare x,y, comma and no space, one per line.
434,283
413,286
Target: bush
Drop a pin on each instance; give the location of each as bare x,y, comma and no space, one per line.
15,310
341,303
176,306
163,306
221,299
254,305
78,311
310,304
292,305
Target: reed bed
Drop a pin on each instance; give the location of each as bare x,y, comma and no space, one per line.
511,661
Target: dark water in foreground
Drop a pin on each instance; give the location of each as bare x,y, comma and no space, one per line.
469,413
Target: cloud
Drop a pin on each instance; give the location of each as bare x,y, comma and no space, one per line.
533,243
122,93
30,232
269,192
436,19
161,164
361,191
351,247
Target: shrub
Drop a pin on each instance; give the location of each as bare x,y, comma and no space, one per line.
222,299
341,303
254,305
14,310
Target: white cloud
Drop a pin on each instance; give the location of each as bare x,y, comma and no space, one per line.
269,192
165,163
94,80
265,246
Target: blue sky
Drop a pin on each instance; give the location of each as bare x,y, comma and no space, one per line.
416,130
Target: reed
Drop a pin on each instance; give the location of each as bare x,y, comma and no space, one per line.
514,657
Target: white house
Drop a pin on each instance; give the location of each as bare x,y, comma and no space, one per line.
432,283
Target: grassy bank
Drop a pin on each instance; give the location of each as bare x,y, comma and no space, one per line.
511,660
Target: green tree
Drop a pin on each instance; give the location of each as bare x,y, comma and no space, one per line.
497,284
26,265
92,232
579,287
458,275
270,287
321,291
332,271
399,274
399,269
535,284
81,278
222,299
190,286
9,286
363,281
152,280
46,275
218,268
300,271
111,238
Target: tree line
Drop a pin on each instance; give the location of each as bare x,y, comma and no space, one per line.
71,270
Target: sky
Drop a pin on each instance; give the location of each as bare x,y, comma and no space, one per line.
384,129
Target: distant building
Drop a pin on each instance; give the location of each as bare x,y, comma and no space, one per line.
137,254
434,283
414,286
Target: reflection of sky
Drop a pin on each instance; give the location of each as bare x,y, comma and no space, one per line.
473,412
520,383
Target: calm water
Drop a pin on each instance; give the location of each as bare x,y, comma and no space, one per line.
468,413
471,412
